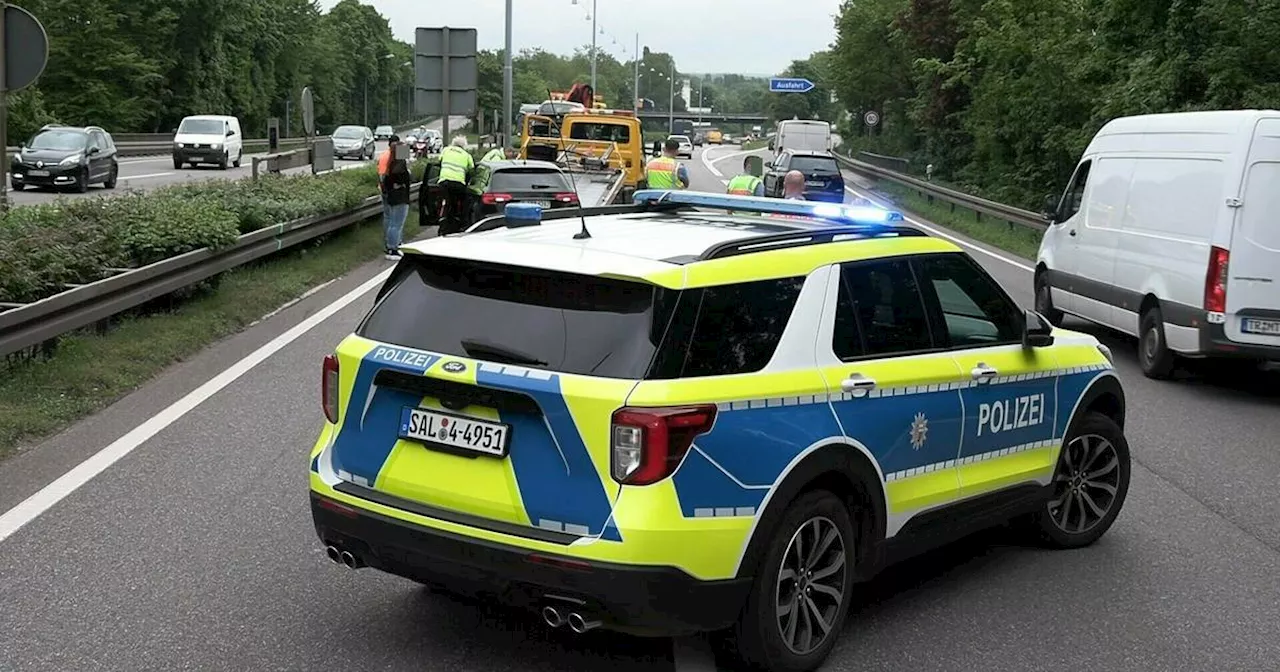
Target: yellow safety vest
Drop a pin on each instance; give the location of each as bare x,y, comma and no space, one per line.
743,185
454,164
663,173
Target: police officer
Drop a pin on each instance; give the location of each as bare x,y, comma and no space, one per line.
497,154
746,184
456,167
665,172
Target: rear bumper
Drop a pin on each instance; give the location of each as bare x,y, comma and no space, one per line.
657,601
825,196
1215,343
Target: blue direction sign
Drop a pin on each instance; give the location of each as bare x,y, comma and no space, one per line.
790,85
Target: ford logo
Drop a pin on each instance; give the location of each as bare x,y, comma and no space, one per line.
454,367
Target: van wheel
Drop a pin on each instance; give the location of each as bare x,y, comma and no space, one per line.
1154,355
800,597
1089,484
239,156
1044,302
222,163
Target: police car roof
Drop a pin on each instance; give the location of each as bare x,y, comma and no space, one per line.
663,248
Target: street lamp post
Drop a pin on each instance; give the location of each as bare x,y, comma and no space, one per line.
671,104
507,84
635,102
593,44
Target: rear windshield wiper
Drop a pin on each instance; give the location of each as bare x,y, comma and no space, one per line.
492,351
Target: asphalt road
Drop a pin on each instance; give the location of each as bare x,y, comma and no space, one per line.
144,173
195,550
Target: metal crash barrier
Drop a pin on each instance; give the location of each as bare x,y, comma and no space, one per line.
319,156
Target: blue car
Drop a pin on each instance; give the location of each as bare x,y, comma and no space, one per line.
822,178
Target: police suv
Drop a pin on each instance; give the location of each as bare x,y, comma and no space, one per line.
702,412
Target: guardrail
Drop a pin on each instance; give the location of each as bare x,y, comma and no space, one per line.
32,324
980,206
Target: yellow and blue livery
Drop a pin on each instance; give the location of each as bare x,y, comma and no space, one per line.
670,416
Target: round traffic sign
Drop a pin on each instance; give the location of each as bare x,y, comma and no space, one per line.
308,111
871,118
26,48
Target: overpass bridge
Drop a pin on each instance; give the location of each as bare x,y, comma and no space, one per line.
653,115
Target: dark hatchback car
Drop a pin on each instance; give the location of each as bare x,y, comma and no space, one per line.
66,156
822,178
518,181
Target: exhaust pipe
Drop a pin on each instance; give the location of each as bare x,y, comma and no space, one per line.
581,625
334,554
552,617
351,561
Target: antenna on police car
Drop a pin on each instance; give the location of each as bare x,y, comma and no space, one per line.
582,234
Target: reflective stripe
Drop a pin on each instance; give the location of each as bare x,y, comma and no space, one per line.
662,173
743,185
454,164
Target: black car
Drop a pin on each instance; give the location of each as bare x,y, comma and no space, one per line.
66,156
540,182
822,178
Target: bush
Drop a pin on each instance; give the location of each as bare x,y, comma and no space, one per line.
44,248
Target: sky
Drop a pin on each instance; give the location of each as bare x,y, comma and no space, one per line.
750,37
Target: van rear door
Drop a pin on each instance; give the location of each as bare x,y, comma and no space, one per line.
1253,269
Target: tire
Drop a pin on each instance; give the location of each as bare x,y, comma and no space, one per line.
222,163
1067,519
1044,302
82,184
239,158
758,639
113,178
17,186
177,163
1154,356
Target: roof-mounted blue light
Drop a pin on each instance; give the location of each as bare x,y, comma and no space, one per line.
845,214
522,214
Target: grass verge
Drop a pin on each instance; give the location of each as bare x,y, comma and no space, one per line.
91,371
1009,237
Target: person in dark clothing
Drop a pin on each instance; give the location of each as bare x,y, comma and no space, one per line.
429,195
396,189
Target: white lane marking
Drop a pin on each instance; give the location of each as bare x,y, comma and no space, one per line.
730,155
707,164
126,178
32,507
693,654
943,234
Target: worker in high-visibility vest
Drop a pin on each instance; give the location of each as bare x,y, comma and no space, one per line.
499,154
665,172
456,167
746,184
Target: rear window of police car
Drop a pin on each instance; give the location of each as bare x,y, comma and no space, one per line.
580,324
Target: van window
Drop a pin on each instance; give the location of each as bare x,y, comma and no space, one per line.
1175,197
1262,201
1109,197
1075,193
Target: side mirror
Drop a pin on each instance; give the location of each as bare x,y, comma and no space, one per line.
1036,331
1050,211
230,132
94,150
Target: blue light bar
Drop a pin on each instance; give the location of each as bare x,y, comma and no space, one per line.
845,214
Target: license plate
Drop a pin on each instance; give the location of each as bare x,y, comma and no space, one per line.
815,183
1255,326
542,204
455,431
195,159
38,173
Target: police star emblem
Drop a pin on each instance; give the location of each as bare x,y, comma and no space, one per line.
919,431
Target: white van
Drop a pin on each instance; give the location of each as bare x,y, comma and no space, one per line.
804,135
208,138
1170,231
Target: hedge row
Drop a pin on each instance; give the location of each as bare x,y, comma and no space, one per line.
44,248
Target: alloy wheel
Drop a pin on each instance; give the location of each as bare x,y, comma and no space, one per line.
1085,485
811,585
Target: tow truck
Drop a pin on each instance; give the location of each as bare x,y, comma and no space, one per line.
601,149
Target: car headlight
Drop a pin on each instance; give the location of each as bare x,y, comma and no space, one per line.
71,160
216,145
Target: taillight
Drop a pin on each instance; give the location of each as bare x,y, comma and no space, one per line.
567,197
329,388
647,444
495,199
1215,281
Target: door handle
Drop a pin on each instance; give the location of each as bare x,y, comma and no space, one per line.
858,384
1071,233
983,372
